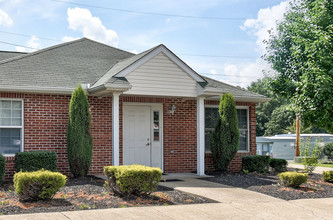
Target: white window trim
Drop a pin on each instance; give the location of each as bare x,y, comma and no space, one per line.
248,124
22,126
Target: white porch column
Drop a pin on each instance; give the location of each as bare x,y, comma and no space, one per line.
201,136
115,128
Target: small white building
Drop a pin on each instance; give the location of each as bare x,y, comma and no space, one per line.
283,145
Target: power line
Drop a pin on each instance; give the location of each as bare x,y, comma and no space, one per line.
3,42
222,56
149,13
25,35
212,74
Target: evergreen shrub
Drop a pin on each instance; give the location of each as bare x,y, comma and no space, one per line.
35,160
132,179
38,185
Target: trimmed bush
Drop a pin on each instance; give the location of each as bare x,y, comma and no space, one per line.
278,165
328,176
2,168
328,150
292,179
256,163
225,137
79,137
38,185
35,160
132,179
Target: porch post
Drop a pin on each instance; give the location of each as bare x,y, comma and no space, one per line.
201,136
115,128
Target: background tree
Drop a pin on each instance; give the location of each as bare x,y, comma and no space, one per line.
264,110
79,138
225,137
302,53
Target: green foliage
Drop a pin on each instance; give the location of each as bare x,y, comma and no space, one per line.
278,165
265,110
132,179
328,176
79,138
281,118
310,156
38,185
225,137
2,168
302,53
35,160
328,150
256,163
292,179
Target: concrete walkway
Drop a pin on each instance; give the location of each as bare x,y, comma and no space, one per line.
318,170
232,203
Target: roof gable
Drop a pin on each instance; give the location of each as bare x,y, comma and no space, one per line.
147,55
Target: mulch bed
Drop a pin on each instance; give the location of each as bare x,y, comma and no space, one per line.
268,184
89,193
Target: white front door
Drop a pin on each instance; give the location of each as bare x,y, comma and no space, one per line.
142,134
137,135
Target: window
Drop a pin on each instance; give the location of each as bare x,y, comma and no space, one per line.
211,118
11,126
156,125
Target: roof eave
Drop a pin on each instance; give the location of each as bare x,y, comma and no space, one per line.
108,89
39,90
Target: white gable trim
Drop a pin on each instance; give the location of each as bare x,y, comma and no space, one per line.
169,54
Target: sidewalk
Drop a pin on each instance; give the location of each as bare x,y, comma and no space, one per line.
232,203
318,170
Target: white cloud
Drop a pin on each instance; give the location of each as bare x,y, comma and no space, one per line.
81,19
5,20
20,49
266,20
33,43
68,38
134,51
213,71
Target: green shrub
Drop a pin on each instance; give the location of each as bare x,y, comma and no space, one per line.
2,168
328,150
279,165
256,163
293,179
132,179
328,176
310,156
35,160
79,137
38,185
225,137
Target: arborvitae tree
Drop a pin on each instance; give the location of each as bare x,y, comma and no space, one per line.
225,137
79,138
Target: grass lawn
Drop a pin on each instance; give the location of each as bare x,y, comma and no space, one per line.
319,165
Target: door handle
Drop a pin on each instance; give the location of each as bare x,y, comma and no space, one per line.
148,142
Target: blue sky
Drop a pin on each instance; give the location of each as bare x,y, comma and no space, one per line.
224,49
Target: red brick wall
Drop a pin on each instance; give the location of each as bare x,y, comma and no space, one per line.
45,128
236,163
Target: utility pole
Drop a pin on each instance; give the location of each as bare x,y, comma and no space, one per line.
298,134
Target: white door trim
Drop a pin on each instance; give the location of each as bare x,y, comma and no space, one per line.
153,107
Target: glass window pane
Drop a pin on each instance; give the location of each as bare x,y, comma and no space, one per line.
211,117
6,104
17,104
17,113
16,122
243,140
6,122
10,140
156,125
6,113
